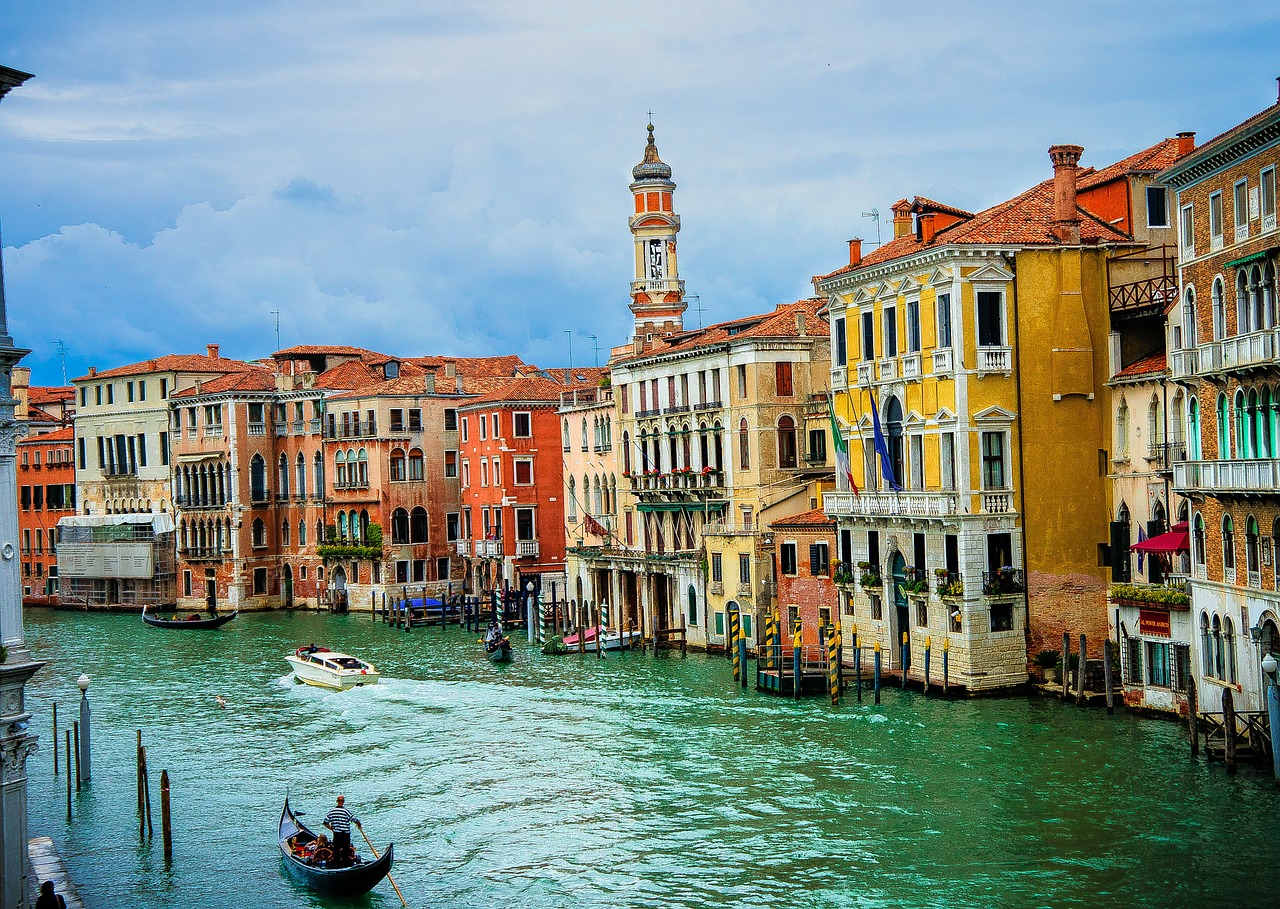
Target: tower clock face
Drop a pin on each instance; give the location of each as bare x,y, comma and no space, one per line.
657,259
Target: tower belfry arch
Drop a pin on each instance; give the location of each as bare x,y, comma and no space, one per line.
657,293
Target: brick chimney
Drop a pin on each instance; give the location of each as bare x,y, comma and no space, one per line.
213,351
1066,219
855,251
928,226
901,218
1186,143
800,322
93,370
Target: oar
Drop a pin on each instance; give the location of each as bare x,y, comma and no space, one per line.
374,850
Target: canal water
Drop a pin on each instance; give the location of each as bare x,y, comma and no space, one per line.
624,782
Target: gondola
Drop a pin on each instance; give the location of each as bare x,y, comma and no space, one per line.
350,881
499,651
189,624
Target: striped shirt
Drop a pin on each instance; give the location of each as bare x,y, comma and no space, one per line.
339,820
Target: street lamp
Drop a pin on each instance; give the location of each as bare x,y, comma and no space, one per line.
83,684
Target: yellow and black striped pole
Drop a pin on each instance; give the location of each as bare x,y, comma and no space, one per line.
928,648
772,637
735,631
857,660
833,663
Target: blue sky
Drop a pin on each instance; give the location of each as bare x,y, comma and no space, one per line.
428,177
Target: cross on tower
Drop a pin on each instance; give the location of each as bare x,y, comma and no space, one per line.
651,115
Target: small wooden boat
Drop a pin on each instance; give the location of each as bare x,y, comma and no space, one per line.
353,880
324,668
609,640
499,651
192,622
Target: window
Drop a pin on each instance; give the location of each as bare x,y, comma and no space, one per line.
947,449
1133,661
1158,664
525,526
415,419
787,558
916,445
890,331
399,526
415,464
868,335
742,381
418,525
744,445
523,472
1240,209
484,471
993,472
839,343
128,391
1228,547
786,442
466,474
819,560
817,446
1002,616
397,419
1157,207
464,429
717,573
259,581
1268,198
990,318
744,568
944,320
452,526
1215,221
782,375
450,464
397,464
1186,224
913,326
522,425
111,393
259,533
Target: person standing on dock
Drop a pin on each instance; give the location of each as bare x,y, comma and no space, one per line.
339,820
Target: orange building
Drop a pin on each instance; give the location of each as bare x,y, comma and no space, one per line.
807,596
46,492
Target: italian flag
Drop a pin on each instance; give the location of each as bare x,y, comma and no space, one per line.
844,477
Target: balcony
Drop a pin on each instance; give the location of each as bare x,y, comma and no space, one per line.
839,378
464,548
526,549
997,502
705,480
676,408
661,286
724,529
257,429
1254,350
886,370
1148,295
1165,454
296,427
1002,582
891,504
911,366
314,426
489,549
1184,364
866,374
708,405
943,361
1240,477
995,360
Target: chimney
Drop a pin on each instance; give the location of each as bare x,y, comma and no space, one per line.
1066,220
1186,143
800,322
901,218
448,369
928,226
855,251
213,351
431,383
93,370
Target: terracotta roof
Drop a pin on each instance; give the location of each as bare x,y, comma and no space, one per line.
1225,138
400,387
923,204
1148,365
1149,160
506,365
40,415
50,394
255,378
525,389
351,375
780,323
65,434
170,363
313,350
814,518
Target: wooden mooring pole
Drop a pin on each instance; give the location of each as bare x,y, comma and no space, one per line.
876,677
857,661
75,734
142,804
928,648
1193,717
166,827
1081,665
1066,663
946,668
1229,730
67,732
1106,675
54,749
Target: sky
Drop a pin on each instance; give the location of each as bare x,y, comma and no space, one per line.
426,178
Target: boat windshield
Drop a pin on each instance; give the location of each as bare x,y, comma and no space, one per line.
349,663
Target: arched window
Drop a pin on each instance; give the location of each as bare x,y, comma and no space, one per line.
1257,310
567,443
786,442
282,470
1252,551
284,532
613,495
1269,293
342,525
399,526
259,532
1206,645
302,533
1224,429
1243,448
397,464
1219,310
1229,650
686,440
340,469
418,525
693,606
319,475
717,438
1193,429
584,433
704,446
597,500
258,478
626,453
1153,421
1219,658
364,525
415,464
1228,547
319,530
1242,304
744,445
1122,429
1189,319
1264,419
671,448
302,476
362,468
1197,540
572,504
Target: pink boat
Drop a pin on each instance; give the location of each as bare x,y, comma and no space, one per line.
609,640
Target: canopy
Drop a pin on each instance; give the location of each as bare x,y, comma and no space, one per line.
1176,540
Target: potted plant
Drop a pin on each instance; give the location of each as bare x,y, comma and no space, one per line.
1047,660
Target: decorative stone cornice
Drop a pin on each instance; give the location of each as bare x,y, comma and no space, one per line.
1213,157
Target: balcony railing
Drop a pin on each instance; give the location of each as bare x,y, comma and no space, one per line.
725,529
911,366
1240,476
943,362
891,504
1164,454
1252,349
257,429
526,549
1255,349
839,378
1002,581
662,286
1149,292
887,370
671,482
1184,364
866,373
490,549
464,548
997,502
995,359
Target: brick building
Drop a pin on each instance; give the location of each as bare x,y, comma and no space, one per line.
1225,350
805,545
46,493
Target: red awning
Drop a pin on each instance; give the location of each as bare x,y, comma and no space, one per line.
1176,540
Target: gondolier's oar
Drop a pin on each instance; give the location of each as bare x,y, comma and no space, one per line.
374,850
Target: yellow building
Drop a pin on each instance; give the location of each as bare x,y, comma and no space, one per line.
981,341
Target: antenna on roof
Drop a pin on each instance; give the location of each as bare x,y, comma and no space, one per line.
874,213
276,313
595,342
697,308
62,354
568,332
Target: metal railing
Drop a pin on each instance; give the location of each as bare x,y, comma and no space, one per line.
1002,581
891,504
1242,476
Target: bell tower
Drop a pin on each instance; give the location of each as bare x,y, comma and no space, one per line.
657,293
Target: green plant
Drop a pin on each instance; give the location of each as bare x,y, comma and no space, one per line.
348,551
1047,659
374,534
331,533
1161,596
952,588
4,653
869,578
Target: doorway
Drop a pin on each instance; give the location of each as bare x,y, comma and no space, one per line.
288,587
901,612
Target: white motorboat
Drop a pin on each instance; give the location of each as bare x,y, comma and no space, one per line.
325,668
609,640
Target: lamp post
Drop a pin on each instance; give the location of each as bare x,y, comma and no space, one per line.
83,684
1269,665
530,605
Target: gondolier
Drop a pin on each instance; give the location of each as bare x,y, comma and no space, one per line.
339,820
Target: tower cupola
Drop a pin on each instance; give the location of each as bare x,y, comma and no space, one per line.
657,293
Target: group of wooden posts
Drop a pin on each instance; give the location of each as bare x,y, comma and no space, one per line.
77,759
1108,655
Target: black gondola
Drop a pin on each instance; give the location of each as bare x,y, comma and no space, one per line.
499,651
216,621
350,881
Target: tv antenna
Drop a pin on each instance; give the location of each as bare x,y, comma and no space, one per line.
62,355
698,308
874,213
595,342
276,313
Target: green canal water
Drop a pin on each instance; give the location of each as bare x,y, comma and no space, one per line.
630,781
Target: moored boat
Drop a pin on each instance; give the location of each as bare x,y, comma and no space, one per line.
608,640
325,668
351,880
192,622
499,651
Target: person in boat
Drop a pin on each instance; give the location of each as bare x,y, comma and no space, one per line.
493,636
318,850
339,820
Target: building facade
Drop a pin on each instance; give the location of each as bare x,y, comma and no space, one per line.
590,484
46,493
806,567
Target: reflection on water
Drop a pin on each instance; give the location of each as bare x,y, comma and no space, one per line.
628,781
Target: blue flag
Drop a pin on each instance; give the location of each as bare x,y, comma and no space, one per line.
1142,535
882,449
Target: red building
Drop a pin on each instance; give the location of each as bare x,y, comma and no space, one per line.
807,593
511,477
46,492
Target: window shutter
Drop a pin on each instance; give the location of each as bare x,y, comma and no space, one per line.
1120,551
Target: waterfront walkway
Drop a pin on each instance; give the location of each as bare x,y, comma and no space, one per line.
46,865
